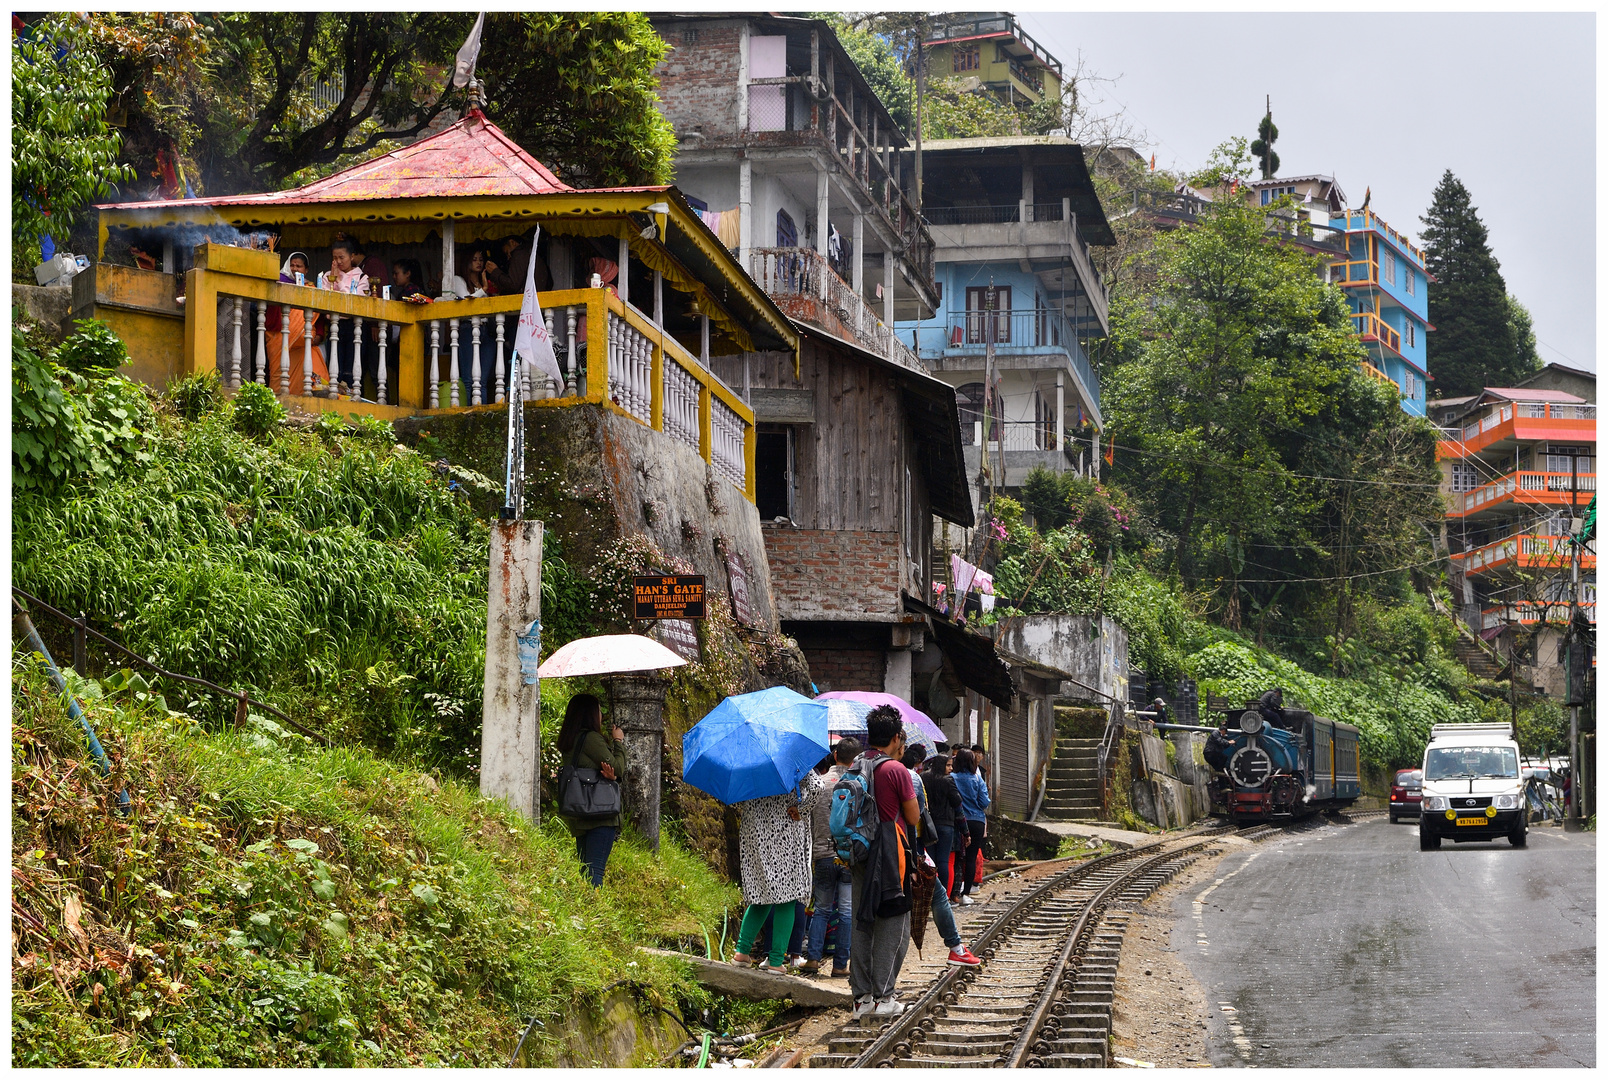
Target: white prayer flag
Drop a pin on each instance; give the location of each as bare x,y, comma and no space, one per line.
532,341
464,72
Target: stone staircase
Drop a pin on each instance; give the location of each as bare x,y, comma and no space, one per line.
1073,785
1478,661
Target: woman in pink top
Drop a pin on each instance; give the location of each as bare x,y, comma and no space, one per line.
342,276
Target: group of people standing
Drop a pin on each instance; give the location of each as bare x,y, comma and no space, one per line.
805,905
496,269
789,858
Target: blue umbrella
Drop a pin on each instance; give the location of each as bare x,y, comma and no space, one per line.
753,745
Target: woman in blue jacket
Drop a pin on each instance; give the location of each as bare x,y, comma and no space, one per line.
974,801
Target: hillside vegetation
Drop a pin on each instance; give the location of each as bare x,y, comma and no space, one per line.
268,901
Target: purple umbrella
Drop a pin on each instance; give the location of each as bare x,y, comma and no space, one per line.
919,727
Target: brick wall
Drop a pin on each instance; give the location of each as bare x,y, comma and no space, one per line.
847,669
698,78
834,574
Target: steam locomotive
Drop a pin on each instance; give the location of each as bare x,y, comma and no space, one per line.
1281,771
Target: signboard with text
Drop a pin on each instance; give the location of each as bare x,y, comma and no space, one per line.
742,607
680,636
669,596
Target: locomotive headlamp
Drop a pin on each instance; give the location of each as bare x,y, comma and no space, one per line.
1250,722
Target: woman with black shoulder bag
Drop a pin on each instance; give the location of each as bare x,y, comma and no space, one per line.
589,782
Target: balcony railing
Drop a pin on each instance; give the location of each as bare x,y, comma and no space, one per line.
419,358
1530,410
1370,327
1017,331
1014,434
1530,612
1543,488
1358,220
1374,373
1526,550
1189,208
806,274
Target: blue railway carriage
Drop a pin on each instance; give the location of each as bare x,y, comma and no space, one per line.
1284,772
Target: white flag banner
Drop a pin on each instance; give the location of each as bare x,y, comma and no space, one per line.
464,72
533,343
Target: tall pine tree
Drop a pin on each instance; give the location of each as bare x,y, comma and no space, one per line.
1476,342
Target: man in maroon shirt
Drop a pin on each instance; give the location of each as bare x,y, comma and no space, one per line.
879,952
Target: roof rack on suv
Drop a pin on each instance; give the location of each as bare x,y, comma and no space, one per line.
1504,730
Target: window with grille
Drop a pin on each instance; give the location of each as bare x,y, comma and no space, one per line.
1464,476
1411,336
1557,458
967,59
1411,282
1387,266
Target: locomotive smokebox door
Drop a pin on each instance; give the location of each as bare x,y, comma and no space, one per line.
1250,767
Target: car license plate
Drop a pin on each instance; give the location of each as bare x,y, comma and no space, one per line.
1472,821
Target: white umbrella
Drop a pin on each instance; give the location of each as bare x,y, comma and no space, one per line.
608,654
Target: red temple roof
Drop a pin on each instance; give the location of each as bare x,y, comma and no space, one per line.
472,157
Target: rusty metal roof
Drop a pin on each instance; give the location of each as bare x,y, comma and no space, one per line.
472,157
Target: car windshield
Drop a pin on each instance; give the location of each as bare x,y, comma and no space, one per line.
1457,762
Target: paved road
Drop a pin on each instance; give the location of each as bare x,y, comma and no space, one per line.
1347,946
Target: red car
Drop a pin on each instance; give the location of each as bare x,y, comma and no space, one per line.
1406,794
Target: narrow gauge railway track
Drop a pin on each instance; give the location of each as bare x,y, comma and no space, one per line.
1043,998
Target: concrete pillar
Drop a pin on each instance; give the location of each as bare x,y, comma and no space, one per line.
703,339
1060,421
823,207
897,679
745,209
636,704
1027,190
449,255
511,737
658,298
859,255
887,287
622,284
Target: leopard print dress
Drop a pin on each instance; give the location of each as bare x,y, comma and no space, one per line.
775,849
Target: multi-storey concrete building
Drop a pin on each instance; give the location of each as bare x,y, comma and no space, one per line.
989,50
796,164
1514,463
1387,286
1012,220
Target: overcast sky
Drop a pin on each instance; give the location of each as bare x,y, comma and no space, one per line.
1388,102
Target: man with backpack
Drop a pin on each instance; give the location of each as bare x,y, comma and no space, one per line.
874,815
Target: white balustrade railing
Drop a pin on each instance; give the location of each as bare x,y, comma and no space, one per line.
806,272
631,370
726,434
469,360
681,393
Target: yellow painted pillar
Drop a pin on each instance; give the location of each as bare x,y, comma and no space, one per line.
200,323
597,347
410,361
750,444
706,428
656,409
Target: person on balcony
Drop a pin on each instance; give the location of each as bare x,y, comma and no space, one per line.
346,277
279,328
508,272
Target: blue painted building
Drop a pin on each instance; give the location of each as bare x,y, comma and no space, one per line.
1011,221
1388,288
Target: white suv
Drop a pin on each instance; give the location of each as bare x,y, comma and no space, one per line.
1472,786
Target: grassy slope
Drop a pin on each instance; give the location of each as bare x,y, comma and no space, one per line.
268,902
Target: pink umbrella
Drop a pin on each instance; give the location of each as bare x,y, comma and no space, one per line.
608,654
912,716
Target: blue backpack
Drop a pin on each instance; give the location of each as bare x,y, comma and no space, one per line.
854,816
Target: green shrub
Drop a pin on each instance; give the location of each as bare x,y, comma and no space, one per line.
92,350
65,427
257,411
196,395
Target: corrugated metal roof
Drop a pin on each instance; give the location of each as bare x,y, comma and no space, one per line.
1519,393
472,157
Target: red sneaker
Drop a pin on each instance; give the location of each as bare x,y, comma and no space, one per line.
963,956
